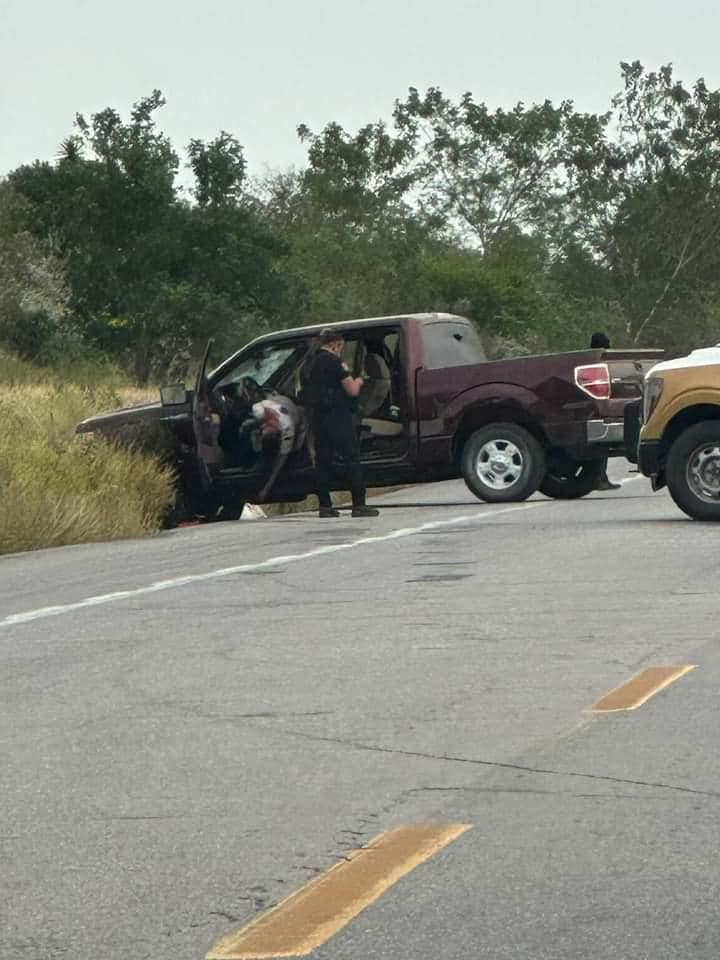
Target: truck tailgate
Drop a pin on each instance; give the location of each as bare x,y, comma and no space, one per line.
628,369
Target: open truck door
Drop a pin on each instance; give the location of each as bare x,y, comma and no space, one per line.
206,425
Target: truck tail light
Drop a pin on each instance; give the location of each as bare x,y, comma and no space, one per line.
594,380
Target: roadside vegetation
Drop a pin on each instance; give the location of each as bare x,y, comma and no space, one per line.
120,257
56,491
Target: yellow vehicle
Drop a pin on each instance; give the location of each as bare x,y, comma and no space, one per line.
679,431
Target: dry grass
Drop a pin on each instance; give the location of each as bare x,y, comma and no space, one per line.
53,489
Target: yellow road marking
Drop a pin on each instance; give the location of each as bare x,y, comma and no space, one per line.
317,911
636,692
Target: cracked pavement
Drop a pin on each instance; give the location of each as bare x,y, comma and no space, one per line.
177,761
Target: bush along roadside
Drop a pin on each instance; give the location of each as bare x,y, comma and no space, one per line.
54,490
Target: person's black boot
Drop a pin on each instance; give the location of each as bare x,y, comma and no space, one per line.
606,484
327,512
365,511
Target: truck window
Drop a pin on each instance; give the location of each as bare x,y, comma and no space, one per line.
452,344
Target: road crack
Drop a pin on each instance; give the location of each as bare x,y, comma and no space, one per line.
499,764
231,918
521,791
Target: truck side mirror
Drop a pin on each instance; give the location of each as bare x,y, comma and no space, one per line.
173,396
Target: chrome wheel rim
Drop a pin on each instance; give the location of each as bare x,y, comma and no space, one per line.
703,472
499,464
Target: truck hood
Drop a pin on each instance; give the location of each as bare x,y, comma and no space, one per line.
705,357
139,413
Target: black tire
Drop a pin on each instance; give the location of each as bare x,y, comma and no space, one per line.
214,508
680,471
230,510
206,508
523,460
181,511
569,479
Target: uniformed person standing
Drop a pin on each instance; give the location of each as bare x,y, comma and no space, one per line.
329,392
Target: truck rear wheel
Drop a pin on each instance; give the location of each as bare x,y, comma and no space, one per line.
503,462
693,471
569,479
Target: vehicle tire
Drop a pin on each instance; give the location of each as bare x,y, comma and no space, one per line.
693,471
214,508
568,479
206,508
181,511
229,510
502,463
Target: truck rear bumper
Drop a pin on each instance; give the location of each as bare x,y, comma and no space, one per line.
611,432
608,432
588,439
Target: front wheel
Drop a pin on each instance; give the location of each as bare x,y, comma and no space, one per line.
230,510
503,462
205,507
693,471
569,480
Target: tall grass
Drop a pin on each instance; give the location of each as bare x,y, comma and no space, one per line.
54,490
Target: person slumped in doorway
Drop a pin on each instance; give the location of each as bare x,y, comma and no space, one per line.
280,422
601,341
329,392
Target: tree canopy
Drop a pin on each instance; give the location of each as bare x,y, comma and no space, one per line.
539,222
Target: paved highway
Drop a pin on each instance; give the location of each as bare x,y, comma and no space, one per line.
194,727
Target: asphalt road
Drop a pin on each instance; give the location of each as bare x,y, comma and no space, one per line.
194,726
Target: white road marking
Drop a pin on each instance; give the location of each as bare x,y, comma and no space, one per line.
160,585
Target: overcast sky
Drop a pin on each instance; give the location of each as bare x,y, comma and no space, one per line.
257,68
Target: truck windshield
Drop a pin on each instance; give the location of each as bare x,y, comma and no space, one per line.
452,344
268,366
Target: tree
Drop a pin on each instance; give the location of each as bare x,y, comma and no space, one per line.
219,168
357,179
107,203
149,274
486,172
33,294
354,240
646,199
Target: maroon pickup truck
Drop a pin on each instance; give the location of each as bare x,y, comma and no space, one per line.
432,408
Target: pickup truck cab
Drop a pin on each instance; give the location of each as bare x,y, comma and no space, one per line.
432,408
678,429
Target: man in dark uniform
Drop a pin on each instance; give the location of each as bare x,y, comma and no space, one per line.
601,341
330,391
